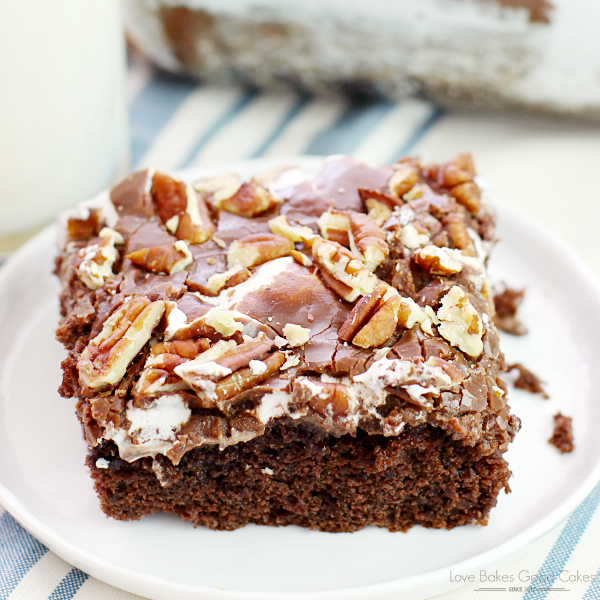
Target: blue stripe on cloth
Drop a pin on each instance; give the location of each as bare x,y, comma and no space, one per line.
19,551
153,107
69,586
356,122
593,592
238,107
418,134
295,110
564,546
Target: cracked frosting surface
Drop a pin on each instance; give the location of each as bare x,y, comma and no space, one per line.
354,299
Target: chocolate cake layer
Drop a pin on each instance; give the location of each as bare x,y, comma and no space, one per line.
288,319
298,475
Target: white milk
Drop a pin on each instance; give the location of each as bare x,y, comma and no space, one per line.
63,126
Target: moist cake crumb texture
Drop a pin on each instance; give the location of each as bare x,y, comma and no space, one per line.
289,349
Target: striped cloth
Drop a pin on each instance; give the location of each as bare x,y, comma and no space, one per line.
177,123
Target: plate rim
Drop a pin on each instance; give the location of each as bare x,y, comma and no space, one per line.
138,582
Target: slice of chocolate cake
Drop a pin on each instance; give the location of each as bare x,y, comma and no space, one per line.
318,351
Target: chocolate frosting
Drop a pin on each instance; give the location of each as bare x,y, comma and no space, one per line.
297,311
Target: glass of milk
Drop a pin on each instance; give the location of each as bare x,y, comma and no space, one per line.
63,117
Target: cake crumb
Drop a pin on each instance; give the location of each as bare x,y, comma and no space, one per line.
528,381
562,437
506,304
267,471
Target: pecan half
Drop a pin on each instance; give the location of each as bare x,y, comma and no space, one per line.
381,326
165,259
105,359
252,250
363,310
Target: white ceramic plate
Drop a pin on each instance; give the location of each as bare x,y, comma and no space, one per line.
45,485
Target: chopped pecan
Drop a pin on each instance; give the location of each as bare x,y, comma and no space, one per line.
97,260
342,271
380,197
249,200
363,310
335,225
221,281
165,259
381,326
464,161
281,226
244,379
252,250
241,356
156,380
437,261
194,372
159,375
296,335
301,258
414,236
185,348
378,211
225,185
460,323
454,175
468,194
79,228
325,398
410,313
402,181
223,321
369,240
106,358
458,234
182,210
